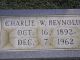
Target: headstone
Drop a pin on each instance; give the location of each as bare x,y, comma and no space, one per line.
39,30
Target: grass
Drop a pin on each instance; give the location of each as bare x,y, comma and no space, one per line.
39,4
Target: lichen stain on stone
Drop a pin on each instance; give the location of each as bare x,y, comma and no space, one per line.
77,36
6,38
38,45
51,38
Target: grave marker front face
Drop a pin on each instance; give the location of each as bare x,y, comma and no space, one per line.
48,32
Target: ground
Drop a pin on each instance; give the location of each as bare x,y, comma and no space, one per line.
39,4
